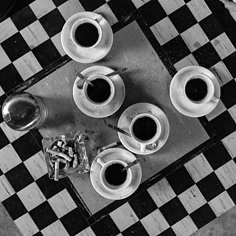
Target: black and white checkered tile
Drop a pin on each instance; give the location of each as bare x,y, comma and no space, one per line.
203,188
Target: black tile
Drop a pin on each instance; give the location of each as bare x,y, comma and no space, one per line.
232,193
46,53
121,8
136,229
43,215
38,234
173,211
3,139
228,94
143,204
23,18
90,5
105,227
206,55
211,27
186,1
74,222
59,2
176,49
14,207
15,46
37,137
49,187
19,177
217,155
10,78
182,19
1,172
152,12
168,232
180,180
52,22
2,100
210,186
223,124
202,216
26,146
230,64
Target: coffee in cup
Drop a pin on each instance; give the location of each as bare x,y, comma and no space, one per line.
145,128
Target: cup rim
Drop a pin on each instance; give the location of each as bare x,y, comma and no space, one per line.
111,187
155,137
112,89
81,21
210,88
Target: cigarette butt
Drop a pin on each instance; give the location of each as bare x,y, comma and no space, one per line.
60,154
56,170
75,161
70,151
59,143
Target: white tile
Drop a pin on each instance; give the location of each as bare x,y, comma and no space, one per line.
232,112
6,189
55,229
171,5
155,223
192,199
8,158
124,216
229,143
227,174
27,65
42,7
198,167
26,225
106,12
11,134
4,58
36,165
184,227
164,30
62,203
70,8
56,39
34,34
31,196
7,29
139,3
87,232
199,9
223,45
186,61
1,92
193,42
161,192
220,108
221,203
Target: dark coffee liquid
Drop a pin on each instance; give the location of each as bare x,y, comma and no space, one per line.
86,34
114,174
144,128
100,91
196,89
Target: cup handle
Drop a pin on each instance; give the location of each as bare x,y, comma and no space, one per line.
100,162
142,147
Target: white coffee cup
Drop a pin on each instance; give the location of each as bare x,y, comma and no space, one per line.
152,141
110,83
81,21
105,182
210,94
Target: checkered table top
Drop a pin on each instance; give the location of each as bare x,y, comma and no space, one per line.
182,198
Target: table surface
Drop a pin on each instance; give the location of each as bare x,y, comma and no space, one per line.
192,175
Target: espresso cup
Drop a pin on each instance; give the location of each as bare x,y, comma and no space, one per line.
145,129
102,91
86,33
199,89
112,175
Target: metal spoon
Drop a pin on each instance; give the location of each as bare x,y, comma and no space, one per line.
119,71
116,128
130,164
82,80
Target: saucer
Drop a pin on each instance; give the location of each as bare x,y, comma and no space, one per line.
181,103
125,121
87,55
95,110
115,154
